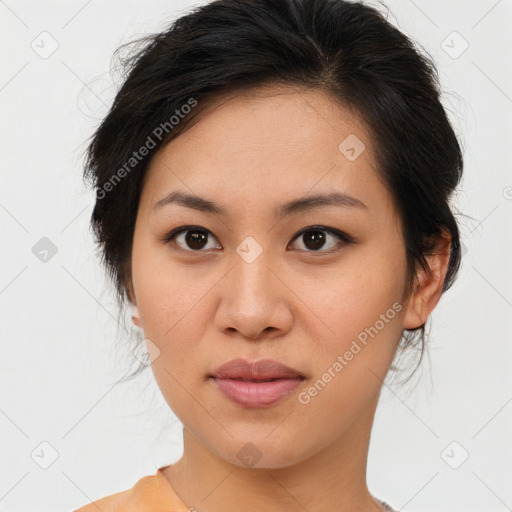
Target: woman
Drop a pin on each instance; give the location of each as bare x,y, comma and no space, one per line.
273,184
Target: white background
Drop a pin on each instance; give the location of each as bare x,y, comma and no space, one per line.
62,352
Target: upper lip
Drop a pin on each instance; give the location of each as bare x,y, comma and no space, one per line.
258,370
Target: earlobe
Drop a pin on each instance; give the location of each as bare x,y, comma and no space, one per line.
429,285
135,316
413,317
131,297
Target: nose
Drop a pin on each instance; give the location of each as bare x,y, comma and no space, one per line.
254,302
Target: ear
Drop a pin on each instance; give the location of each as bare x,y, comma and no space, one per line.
429,284
133,301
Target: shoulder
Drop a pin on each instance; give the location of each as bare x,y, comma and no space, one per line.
107,504
149,494
141,493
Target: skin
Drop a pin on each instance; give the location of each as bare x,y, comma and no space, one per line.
302,307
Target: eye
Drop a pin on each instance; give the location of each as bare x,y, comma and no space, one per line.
195,238
315,238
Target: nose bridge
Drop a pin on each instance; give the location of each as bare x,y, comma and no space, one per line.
252,300
251,275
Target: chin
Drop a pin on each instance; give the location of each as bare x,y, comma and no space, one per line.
264,452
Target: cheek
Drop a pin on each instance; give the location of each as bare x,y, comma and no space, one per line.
165,294
174,305
357,311
347,300
350,364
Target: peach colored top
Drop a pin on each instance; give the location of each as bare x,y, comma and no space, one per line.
150,494
154,494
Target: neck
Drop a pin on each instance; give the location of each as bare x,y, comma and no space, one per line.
332,480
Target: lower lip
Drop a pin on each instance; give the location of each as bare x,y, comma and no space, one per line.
257,394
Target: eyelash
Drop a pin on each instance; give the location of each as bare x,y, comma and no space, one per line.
344,237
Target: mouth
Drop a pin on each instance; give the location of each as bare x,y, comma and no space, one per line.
256,384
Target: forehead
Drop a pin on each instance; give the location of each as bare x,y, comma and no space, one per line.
269,144
287,119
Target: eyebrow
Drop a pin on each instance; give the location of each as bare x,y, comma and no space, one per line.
297,205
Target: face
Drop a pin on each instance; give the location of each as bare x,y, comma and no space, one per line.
317,287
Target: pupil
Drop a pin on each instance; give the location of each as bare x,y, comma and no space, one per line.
317,238
196,239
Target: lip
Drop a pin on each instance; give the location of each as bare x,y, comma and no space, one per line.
256,390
